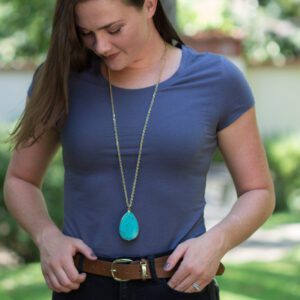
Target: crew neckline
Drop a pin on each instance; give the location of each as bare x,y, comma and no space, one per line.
161,84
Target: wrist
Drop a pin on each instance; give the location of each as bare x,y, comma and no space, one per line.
45,234
219,240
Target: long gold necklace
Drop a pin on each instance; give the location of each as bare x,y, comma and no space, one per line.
129,226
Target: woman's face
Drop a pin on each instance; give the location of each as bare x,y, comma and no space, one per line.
113,30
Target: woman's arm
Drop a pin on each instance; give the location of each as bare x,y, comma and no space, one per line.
22,186
245,157
244,154
25,201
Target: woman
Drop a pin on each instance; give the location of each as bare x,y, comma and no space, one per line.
138,118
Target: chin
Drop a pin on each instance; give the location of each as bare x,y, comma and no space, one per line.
115,67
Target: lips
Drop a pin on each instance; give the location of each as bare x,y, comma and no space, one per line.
110,57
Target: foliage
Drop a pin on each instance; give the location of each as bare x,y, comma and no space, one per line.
11,234
282,218
285,8
25,28
284,158
283,153
202,16
270,28
274,34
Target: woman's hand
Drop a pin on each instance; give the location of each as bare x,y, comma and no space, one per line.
201,259
56,254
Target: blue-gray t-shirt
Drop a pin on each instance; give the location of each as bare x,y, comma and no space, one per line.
206,94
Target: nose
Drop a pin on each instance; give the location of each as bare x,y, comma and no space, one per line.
102,46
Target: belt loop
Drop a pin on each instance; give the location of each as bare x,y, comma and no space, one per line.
80,262
152,268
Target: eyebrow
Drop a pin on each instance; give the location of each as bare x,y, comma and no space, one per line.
103,27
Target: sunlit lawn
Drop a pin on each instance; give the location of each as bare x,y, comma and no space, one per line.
261,281
282,218
23,283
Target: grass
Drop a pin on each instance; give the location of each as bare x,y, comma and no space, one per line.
278,280
282,218
23,282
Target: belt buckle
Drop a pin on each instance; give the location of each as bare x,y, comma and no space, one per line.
113,270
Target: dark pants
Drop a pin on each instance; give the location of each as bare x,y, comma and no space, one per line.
97,287
103,288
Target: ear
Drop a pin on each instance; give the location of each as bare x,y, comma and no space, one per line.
150,6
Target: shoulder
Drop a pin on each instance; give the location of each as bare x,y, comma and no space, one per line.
210,62
194,56
204,64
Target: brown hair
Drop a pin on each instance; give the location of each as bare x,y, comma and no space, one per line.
47,107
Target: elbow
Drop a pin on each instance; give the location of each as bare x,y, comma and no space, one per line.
269,199
264,196
14,188
9,186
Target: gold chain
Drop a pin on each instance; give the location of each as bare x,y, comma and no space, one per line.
130,203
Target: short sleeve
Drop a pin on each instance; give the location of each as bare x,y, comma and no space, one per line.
235,94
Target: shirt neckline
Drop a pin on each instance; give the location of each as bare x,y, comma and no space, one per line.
161,84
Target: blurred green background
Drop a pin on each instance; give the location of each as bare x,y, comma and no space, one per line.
270,35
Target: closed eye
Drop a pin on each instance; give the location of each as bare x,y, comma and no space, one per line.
114,31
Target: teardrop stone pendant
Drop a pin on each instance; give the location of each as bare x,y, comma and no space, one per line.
129,226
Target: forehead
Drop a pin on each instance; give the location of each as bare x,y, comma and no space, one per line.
93,13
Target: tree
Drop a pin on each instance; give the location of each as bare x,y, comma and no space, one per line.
25,28
274,34
271,28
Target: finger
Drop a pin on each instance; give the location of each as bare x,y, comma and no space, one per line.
179,276
63,279
186,284
175,256
48,282
184,270
175,285
191,289
85,250
72,272
57,287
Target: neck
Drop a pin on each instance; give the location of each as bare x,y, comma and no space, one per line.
147,58
146,62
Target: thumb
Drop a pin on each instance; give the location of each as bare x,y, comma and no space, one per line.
175,257
85,250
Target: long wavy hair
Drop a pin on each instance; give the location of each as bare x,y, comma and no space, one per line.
47,106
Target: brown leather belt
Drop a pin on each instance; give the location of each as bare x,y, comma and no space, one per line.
124,269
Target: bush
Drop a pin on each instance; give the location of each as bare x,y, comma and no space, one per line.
283,153
11,234
284,158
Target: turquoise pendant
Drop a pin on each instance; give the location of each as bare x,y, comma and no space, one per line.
129,226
